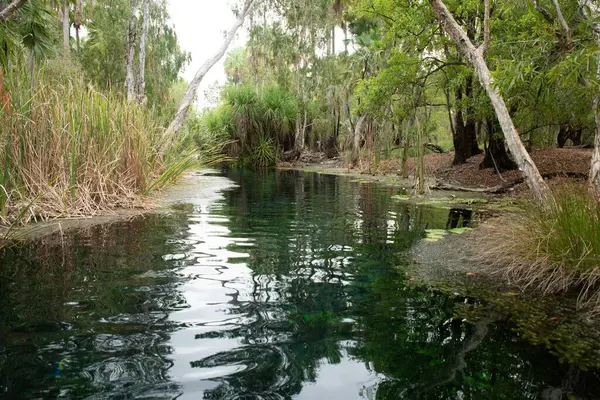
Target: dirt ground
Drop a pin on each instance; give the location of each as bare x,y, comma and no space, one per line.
558,166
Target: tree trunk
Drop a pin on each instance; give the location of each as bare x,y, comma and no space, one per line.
595,168
190,93
475,56
356,141
141,77
471,125
66,27
496,156
9,11
462,150
77,22
129,74
594,179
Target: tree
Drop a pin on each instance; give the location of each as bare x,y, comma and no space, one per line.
141,77
475,56
190,94
130,54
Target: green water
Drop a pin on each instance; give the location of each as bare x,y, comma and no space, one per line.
290,285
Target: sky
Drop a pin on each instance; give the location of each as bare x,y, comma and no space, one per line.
200,27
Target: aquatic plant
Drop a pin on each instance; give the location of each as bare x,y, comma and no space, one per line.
554,249
69,150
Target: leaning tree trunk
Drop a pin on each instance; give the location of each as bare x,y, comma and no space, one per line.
475,56
190,93
9,11
141,77
129,75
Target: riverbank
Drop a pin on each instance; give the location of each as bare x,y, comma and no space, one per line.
558,166
202,186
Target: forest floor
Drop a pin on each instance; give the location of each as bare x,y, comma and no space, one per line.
559,166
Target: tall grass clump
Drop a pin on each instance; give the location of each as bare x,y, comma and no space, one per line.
69,150
553,250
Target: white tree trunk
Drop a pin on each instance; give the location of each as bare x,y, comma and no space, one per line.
475,56
66,26
595,168
129,73
141,77
8,11
190,94
356,142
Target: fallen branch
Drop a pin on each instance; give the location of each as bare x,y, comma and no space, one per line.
435,148
440,185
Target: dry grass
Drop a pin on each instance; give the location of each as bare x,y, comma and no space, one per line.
549,250
68,150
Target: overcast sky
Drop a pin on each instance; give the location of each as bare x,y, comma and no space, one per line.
200,26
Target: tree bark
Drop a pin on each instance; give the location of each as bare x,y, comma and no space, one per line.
190,93
129,73
356,141
66,27
141,77
595,168
9,11
475,57
563,23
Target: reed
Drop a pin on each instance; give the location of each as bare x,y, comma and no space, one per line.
69,150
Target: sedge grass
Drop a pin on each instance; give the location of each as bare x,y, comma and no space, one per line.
69,150
552,250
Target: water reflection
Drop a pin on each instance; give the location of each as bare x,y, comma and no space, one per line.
290,285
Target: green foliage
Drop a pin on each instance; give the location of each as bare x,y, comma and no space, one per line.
263,153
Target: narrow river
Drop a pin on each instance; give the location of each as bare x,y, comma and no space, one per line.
290,285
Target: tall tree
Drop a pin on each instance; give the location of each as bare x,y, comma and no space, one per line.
475,56
130,54
65,20
192,89
141,77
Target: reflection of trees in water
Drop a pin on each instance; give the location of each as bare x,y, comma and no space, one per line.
85,299
326,281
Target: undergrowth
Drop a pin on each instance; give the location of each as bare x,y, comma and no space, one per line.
552,250
69,150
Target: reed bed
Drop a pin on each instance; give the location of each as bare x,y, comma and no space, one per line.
69,150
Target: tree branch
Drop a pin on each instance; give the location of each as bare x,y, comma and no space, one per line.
563,22
543,11
9,10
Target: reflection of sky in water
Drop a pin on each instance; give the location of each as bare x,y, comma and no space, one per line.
216,291
286,286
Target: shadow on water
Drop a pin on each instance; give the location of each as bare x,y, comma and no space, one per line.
290,285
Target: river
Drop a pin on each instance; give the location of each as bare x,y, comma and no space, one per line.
288,285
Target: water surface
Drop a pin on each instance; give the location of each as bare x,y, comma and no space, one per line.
290,285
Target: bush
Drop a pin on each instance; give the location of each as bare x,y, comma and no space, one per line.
553,250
